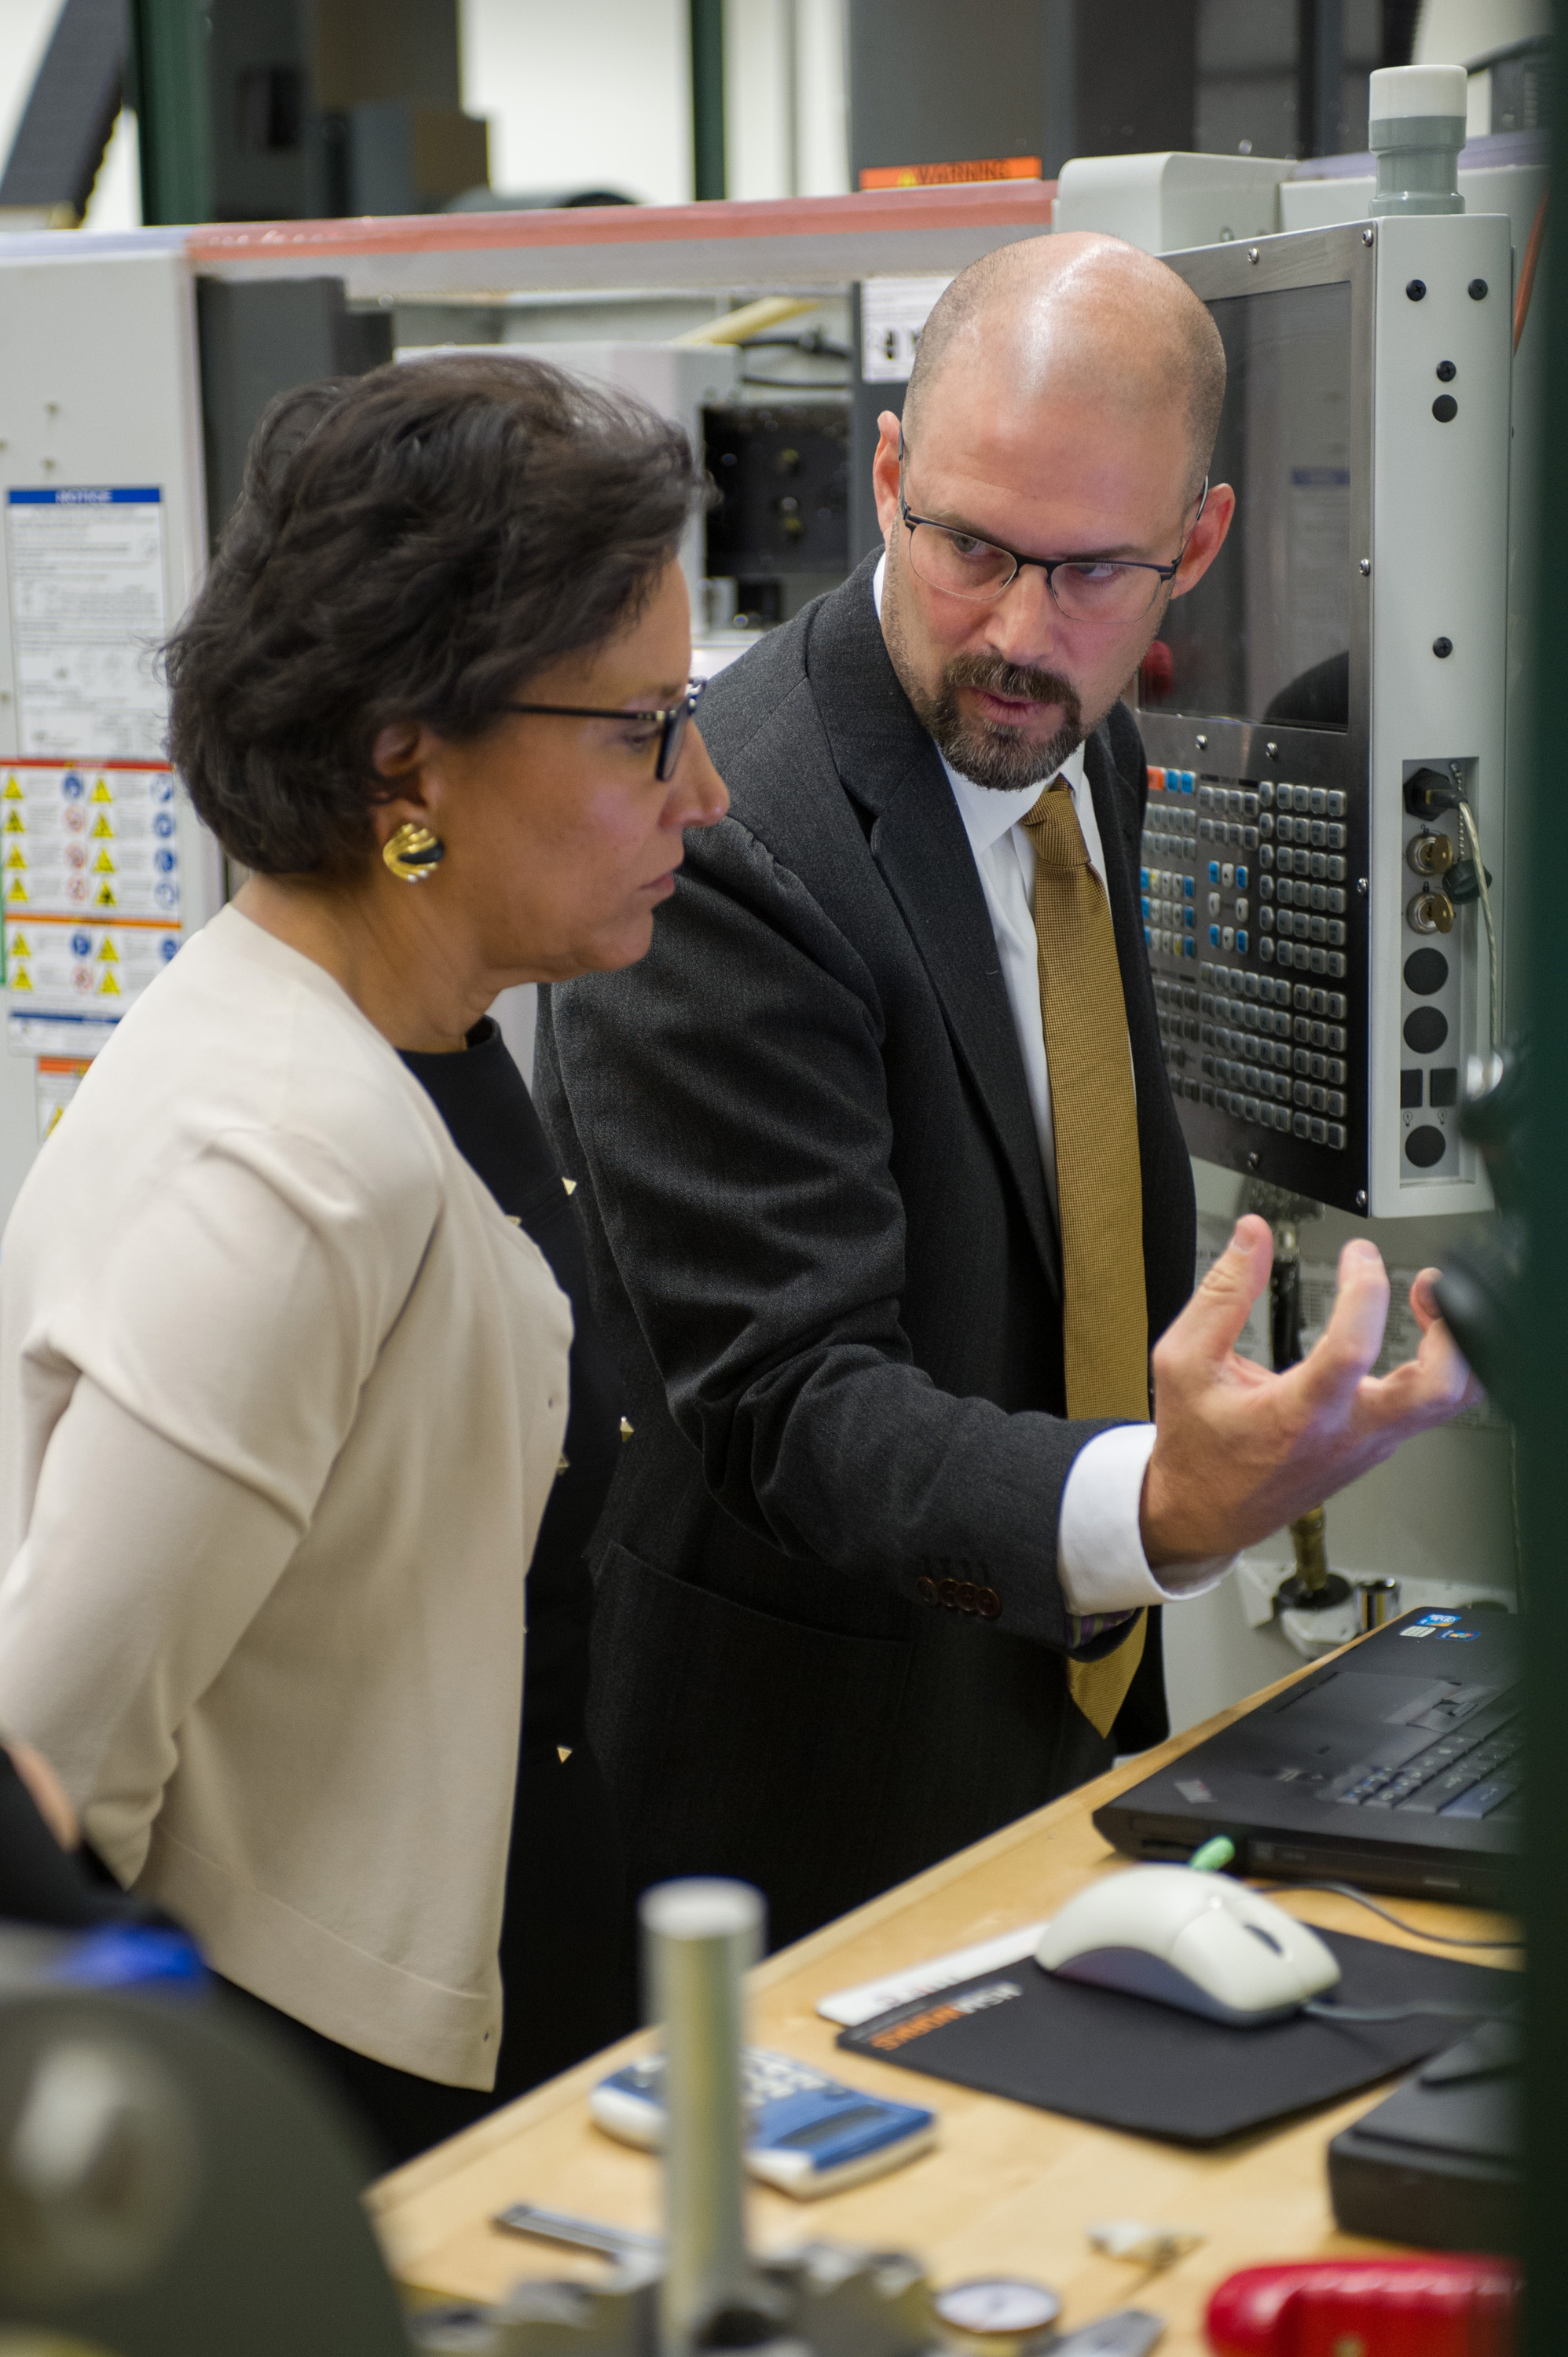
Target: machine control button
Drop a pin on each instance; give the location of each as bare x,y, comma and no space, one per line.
1426,1147
1443,1089
1425,1030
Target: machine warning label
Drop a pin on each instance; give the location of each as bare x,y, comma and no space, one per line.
91,890
86,566
56,1082
76,839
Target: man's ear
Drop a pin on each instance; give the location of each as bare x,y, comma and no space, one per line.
1207,538
885,471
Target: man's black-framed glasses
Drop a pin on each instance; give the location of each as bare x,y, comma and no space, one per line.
1086,588
669,724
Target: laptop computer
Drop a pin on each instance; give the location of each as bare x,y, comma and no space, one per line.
1396,1765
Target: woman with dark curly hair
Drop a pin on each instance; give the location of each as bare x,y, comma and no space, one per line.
291,1307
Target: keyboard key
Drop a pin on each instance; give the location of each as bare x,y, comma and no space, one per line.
1434,1796
1482,1798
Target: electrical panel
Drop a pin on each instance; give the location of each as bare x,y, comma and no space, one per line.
1322,865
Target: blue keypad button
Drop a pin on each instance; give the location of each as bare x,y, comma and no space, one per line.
1240,879
1214,871
1189,947
1146,907
1189,916
1213,936
1241,943
1187,885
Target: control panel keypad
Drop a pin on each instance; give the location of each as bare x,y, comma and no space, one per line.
1245,909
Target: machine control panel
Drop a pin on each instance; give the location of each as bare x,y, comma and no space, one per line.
1247,919
1322,712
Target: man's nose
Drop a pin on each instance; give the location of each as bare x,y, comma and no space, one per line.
1023,625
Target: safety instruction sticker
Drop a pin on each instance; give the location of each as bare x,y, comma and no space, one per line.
86,566
69,980
76,839
893,315
56,1082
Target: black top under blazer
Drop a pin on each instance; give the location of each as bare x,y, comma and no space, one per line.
821,1245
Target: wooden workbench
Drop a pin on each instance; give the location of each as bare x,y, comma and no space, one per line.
1007,2190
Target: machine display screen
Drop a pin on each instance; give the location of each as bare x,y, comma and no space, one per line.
1265,635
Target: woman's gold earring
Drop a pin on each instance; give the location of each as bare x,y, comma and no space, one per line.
413,852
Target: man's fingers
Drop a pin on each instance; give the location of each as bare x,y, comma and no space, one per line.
1210,1326
1437,1384
1348,1345
1423,1300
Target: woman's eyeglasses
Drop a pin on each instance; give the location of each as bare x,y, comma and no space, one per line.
670,723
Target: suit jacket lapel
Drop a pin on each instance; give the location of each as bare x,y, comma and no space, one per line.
888,765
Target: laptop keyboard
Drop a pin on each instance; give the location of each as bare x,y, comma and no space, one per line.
1466,1776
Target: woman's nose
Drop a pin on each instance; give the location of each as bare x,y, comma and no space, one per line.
699,796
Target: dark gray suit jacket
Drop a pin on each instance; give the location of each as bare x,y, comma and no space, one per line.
820,1244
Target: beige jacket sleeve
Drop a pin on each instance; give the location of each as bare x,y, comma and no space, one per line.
218,1373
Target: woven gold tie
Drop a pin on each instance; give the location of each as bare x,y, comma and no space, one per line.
1099,1190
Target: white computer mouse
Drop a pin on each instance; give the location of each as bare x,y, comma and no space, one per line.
1197,1941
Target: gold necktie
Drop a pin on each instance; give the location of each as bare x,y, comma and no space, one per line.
1099,1190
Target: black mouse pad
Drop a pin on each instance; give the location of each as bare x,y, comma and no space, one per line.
1126,2062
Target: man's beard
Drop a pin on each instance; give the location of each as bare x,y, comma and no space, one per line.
991,753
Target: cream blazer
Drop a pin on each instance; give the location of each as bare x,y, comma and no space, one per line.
282,1396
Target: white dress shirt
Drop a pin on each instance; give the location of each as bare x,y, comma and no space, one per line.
1099,1549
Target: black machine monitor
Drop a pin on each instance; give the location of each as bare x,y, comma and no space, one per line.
1265,636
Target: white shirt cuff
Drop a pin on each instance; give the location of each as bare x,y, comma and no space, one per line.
1099,1548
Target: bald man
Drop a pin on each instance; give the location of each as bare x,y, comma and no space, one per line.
885,1197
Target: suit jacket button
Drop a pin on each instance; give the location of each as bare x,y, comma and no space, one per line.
926,1589
988,1604
967,1596
947,1594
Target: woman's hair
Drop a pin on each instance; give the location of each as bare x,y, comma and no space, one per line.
412,544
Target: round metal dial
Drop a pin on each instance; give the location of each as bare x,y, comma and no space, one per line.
1010,2307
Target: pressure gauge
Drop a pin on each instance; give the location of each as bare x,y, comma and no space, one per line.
997,2316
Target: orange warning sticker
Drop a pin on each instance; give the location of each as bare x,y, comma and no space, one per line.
948,175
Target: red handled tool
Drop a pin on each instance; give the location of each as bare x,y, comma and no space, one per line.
1441,2305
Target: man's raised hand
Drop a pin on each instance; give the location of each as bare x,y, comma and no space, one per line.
1239,1451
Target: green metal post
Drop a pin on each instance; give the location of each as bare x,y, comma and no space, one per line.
1544,1426
172,97
707,98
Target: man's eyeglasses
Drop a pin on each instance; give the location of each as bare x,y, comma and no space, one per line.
668,725
1086,589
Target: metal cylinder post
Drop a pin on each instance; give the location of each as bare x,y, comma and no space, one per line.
1416,130
700,1937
